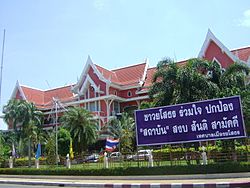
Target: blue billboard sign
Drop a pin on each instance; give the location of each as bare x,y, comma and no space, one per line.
190,122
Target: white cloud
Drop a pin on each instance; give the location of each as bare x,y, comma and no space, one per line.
99,4
245,21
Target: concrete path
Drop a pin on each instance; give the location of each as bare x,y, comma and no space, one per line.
166,181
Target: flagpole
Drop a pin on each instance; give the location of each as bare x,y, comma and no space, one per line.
1,73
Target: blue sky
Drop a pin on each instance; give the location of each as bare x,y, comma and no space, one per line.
48,41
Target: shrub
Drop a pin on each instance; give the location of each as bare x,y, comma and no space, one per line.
167,170
25,161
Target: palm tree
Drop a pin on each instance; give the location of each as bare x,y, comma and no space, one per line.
82,127
25,117
124,129
1,143
173,84
13,113
199,80
234,77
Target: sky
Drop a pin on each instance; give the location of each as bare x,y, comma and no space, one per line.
47,42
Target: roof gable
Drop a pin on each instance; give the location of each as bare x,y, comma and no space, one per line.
211,38
42,98
80,82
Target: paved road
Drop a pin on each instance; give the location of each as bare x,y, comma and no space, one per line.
25,186
208,180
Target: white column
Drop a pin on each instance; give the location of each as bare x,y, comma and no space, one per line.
37,163
68,163
11,162
150,159
204,156
105,160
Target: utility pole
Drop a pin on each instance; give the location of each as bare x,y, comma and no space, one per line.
1,73
57,104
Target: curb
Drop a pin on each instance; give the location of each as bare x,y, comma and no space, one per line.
152,177
121,185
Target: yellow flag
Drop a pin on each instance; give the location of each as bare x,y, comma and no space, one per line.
71,153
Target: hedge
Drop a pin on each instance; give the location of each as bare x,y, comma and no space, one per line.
169,170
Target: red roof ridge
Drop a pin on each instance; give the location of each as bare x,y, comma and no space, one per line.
184,60
151,68
129,66
181,61
241,48
60,87
29,87
104,68
45,90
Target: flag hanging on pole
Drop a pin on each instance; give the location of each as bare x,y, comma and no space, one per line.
71,153
38,151
111,144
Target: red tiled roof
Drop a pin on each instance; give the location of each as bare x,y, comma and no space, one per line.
33,95
149,77
124,76
130,75
242,53
62,93
43,99
107,74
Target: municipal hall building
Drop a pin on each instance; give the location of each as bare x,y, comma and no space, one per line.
107,93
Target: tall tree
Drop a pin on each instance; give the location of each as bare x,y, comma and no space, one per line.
25,117
1,143
64,139
200,79
82,127
173,84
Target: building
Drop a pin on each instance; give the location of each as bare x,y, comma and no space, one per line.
107,93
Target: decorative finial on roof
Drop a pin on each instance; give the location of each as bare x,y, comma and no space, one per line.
89,60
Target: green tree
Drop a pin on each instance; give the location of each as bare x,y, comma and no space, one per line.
50,149
15,112
173,84
198,80
82,127
1,144
124,129
147,104
63,141
25,117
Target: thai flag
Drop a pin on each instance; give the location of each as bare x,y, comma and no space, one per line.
111,144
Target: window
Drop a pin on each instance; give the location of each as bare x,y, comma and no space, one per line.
92,106
87,94
115,92
129,93
116,107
